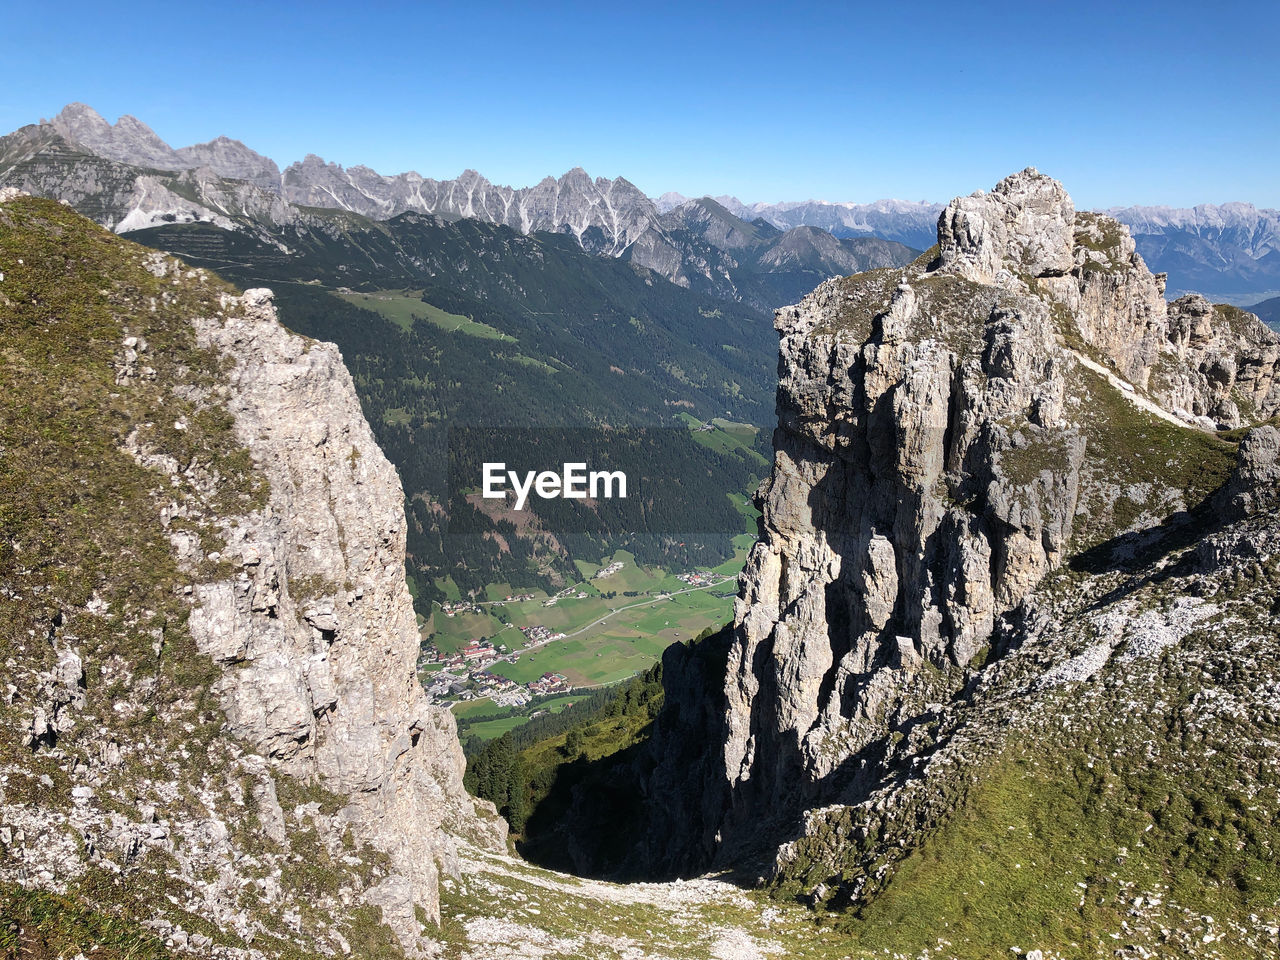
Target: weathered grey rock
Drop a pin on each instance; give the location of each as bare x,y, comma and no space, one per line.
1255,484
941,448
232,159
1024,226
316,628
129,140
894,529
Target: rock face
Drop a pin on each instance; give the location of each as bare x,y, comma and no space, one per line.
948,435
129,140
220,705
316,629
232,159
1024,225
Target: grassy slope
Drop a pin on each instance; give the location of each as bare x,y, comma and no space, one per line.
1132,806
79,519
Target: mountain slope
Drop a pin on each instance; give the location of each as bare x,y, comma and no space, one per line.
1022,662
1268,311
703,246
1231,250
213,728
572,341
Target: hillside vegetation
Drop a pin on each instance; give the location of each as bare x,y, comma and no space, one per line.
515,332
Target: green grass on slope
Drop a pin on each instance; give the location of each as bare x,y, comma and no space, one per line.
78,515
85,562
403,307
37,925
1134,821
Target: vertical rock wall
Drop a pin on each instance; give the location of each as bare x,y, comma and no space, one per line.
933,428
314,624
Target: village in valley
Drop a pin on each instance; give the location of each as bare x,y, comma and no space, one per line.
517,650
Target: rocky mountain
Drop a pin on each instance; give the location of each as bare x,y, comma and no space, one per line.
1228,251
1268,311
701,245
902,221
127,178
1011,576
1007,636
129,140
912,224
132,142
605,216
214,739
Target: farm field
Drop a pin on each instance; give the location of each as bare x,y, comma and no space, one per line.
608,639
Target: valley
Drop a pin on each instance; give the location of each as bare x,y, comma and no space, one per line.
939,622
599,633
499,656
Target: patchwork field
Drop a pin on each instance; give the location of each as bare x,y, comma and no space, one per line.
607,639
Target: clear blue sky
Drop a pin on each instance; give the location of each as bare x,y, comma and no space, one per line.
1175,102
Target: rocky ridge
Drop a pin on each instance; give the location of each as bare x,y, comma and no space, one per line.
937,457
223,706
997,476
125,177
1226,251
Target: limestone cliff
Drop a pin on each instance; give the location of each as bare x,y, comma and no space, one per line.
949,435
210,645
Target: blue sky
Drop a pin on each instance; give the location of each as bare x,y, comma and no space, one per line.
1124,102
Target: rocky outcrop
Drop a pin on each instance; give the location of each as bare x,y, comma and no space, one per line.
214,689
949,434
1214,367
1023,226
907,510
316,628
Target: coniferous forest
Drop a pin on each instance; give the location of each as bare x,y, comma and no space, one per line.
564,355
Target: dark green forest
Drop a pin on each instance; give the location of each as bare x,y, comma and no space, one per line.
589,343
532,766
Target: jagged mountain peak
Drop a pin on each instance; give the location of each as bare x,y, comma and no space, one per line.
669,201
1023,401
78,112
231,158
129,140
1025,225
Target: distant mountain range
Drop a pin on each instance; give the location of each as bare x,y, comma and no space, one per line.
1229,252
914,224
1269,311
127,178
762,254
